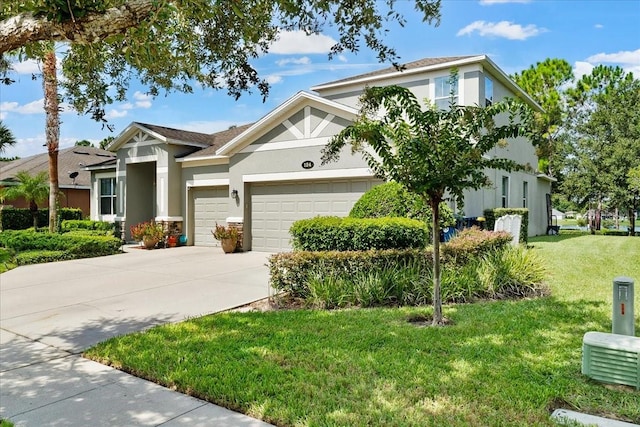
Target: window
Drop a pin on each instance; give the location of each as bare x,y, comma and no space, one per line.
525,194
488,91
445,87
505,191
107,196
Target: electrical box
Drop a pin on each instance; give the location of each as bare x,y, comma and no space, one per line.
623,317
611,358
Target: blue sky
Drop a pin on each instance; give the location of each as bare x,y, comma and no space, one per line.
514,33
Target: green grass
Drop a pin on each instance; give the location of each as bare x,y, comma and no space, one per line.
499,363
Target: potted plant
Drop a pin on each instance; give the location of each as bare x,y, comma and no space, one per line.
228,237
148,232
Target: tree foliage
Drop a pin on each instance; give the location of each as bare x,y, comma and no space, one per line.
546,83
606,129
6,137
172,45
34,189
431,152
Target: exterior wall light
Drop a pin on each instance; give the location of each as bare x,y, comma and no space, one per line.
234,194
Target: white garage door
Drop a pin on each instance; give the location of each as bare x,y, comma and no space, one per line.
209,205
275,206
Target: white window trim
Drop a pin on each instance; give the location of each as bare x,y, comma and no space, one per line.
111,196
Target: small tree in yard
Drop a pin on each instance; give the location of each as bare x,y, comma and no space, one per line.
34,189
431,152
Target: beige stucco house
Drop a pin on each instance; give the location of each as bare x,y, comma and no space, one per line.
265,175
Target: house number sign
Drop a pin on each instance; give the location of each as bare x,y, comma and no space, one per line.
307,164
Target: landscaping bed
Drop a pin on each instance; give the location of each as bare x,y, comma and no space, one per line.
497,363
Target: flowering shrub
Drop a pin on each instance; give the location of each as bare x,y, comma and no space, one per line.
222,232
150,229
472,242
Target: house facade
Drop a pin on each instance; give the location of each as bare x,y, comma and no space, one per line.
263,176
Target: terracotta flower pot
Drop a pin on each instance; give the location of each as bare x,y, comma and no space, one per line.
149,242
228,245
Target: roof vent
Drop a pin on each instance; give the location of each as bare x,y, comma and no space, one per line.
611,358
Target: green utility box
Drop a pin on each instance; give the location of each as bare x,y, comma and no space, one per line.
623,317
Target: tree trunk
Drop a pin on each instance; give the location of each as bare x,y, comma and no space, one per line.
33,207
52,131
438,320
632,219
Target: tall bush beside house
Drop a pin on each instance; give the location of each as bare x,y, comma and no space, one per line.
392,199
491,215
21,218
34,189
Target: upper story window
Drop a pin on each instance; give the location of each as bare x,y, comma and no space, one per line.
525,194
488,91
445,87
107,196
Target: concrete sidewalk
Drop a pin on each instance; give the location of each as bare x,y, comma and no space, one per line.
49,313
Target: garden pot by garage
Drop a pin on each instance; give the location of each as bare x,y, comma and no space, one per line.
149,242
228,245
172,241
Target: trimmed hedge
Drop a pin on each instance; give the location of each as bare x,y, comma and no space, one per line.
290,271
492,214
39,257
357,234
76,245
614,232
87,225
21,218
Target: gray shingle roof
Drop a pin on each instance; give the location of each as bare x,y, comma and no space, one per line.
425,62
72,159
178,135
218,139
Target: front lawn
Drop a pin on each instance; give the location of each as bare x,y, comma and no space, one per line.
499,363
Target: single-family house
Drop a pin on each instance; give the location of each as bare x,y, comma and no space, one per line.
263,176
73,178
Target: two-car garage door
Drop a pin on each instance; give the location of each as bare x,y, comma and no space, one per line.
275,206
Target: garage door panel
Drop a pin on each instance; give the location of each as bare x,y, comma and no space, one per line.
210,206
276,206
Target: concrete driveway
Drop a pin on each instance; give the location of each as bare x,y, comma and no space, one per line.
49,313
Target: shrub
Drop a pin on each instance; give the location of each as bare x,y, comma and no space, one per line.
347,234
76,245
103,227
492,214
581,222
613,232
21,218
473,242
392,199
290,271
38,257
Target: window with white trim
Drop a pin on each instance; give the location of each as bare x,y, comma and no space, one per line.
445,88
107,196
525,194
488,91
505,191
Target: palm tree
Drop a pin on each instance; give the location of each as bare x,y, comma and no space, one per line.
34,189
6,137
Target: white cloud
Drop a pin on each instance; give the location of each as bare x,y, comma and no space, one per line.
599,26
273,79
504,29
490,2
298,42
30,146
581,68
115,114
30,66
142,100
295,61
342,58
625,57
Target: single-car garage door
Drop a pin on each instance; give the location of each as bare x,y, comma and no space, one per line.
275,206
209,205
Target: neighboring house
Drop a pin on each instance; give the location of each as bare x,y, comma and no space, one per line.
557,214
265,175
73,178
